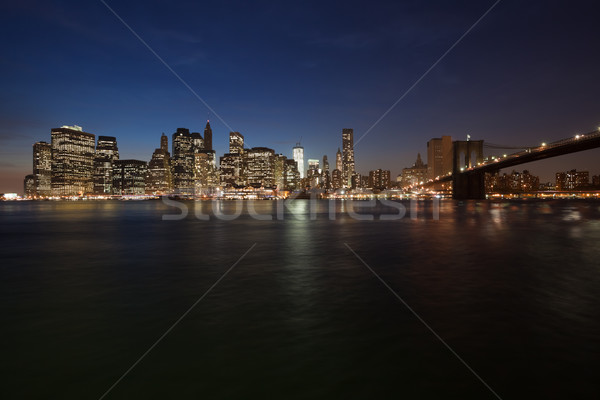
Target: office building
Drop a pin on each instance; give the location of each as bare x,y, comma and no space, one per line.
182,162
338,160
106,153
206,177
292,176
232,170
439,157
236,143
42,169
299,158
72,161
259,167
326,184
347,156
197,142
29,186
164,142
129,177
336,179
158,179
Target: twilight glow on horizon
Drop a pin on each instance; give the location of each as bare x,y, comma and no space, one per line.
278,73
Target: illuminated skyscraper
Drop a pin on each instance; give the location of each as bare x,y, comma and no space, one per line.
299,158
72,161
182,163
29,185
129,177
236,143
336,179
338,160
279,171
314,173
158,179
348,156
106,153
197,142
260,166
206,178
42,169
208,136
292,176
325,173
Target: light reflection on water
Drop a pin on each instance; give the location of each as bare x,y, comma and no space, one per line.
513,287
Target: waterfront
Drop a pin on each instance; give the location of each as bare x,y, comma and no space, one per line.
512,287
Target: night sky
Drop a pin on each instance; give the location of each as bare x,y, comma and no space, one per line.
280,71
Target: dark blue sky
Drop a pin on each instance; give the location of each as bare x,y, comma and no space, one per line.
278,71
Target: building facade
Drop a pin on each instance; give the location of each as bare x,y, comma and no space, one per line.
182,162
208,144
236,143
107,152
439,157
299,158
29,186
72,161
129,177
42,169
379,179
347,156
206,177
260,167
414,175
572,180
158,179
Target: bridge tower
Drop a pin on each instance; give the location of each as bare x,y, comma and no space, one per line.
467,184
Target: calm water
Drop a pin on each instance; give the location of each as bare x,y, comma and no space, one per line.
87,287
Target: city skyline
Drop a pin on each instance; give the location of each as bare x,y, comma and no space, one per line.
483,88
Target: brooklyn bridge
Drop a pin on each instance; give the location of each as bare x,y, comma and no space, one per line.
469,167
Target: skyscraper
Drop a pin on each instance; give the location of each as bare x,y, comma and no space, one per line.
182,162
164,142
129,177
208,136
42,169
29,185
158,180
314,173
292,176
197,142
206,178
348,156
299,158
338,160
106,153
336,179
260,166
439,157
236,143
325,173
72,161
